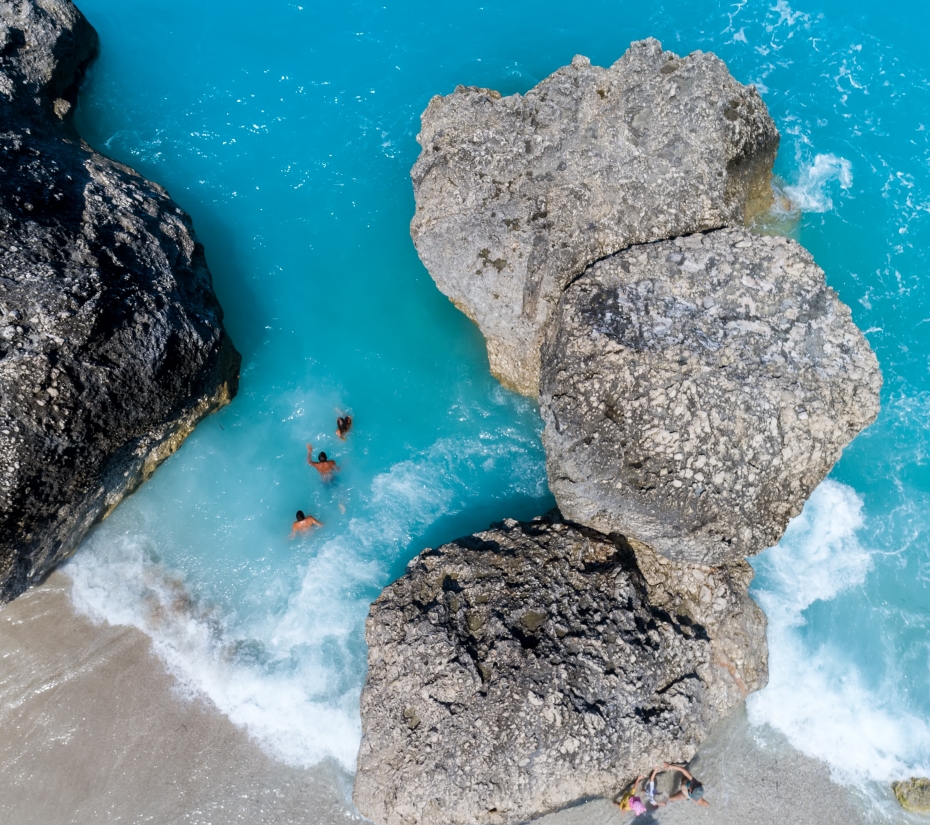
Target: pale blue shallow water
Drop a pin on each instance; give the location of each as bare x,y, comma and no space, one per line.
287,131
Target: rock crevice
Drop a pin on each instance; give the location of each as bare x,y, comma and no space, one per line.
516,195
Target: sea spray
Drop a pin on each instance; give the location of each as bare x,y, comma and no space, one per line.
815,181
825,707
287,662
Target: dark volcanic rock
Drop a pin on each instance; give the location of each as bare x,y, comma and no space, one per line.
516,195
517,670
111,338
696,391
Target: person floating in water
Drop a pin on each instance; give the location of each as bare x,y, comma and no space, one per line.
325,466
690,788
303,524
343,425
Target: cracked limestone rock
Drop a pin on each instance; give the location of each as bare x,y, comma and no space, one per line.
696,391
111,338
516,195
517,670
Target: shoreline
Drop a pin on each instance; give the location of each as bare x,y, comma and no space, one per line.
94,729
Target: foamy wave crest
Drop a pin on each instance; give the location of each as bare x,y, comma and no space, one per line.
816,182
291,671
815,696
281,697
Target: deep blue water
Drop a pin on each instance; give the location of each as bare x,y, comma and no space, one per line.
288,132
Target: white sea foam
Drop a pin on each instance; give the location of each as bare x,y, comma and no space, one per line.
290,674
816,696
817,180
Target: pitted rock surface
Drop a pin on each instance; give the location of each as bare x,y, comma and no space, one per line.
111,338
913,794
519,669
516,195
695,392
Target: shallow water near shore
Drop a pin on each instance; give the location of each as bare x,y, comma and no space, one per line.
287,131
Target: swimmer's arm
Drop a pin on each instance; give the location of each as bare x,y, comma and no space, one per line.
313,521
310,454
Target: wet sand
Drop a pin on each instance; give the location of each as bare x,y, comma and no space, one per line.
93,730
751,776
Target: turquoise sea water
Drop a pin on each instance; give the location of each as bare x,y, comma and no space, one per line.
287,131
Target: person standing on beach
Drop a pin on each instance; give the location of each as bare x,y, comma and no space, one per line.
324,465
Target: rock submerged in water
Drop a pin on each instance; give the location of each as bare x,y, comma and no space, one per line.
522,668
696,391
516,195
913,794
112,345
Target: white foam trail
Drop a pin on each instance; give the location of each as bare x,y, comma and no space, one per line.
815,696
812,191
292,674
119,581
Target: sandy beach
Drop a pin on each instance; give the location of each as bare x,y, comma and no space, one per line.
93,730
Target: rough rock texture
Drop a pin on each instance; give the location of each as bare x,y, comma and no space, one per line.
913,794
111,339
696,391
516,195
517,670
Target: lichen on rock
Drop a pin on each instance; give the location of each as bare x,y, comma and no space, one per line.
112,345
516,195
519,669
696,391
913,794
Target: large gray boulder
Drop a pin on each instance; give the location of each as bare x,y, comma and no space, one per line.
522,668
695,391
516,195
111,338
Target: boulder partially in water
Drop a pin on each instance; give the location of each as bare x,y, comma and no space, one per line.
516,195
696,391
913,794
112,345
522,668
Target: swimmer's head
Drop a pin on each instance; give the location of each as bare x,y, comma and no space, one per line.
300,515
323,457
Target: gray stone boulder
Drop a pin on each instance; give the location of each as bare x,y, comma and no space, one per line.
516,195
695,391
522,668
111,339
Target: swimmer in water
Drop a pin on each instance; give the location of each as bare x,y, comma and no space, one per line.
343,425
324,466
303,523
